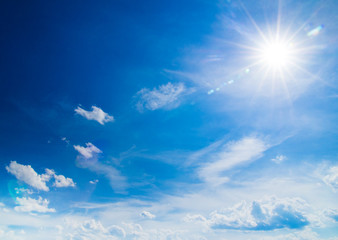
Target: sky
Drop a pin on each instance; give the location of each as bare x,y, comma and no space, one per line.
169,120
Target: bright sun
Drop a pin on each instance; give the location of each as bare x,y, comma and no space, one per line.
276,54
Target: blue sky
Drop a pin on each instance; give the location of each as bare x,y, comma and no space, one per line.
169,120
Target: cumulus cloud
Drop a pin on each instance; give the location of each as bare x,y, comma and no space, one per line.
89,151
88,158
95,230
166,96
278,159
148,215
267,214
27,174
33,205
229,156
331,178
90,229
60,180
96,114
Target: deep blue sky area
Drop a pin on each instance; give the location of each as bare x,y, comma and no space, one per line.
188,119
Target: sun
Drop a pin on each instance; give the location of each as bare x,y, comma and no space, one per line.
276,54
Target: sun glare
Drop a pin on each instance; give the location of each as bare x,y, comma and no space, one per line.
276,54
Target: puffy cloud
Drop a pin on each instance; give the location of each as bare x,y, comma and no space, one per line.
148,215
95,230
60,180
28,175
89,151
267,214
278,159
96,114
166,96
90,229
331,177
88,158
33,205
229,156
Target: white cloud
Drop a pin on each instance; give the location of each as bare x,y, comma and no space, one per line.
278,159
194,218
267,214
331,177
229,156
90,229
94,181
166,96
306,234
28,175
23,190
87,152
88,158
65,140
146,214
96,114
60,180
33,205
332,213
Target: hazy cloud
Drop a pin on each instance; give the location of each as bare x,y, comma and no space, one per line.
166,96
88,158
278,159
331,177
146,214
229,156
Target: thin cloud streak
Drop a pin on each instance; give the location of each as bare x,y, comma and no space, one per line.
231,155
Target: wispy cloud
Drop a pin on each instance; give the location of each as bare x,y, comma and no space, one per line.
148,215
279,158
33,205
331,177
165,96
229,156
88,158
94,181
96,114
28,175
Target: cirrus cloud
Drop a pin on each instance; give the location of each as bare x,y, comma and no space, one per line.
165,96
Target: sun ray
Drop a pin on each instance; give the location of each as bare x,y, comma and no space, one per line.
253,22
